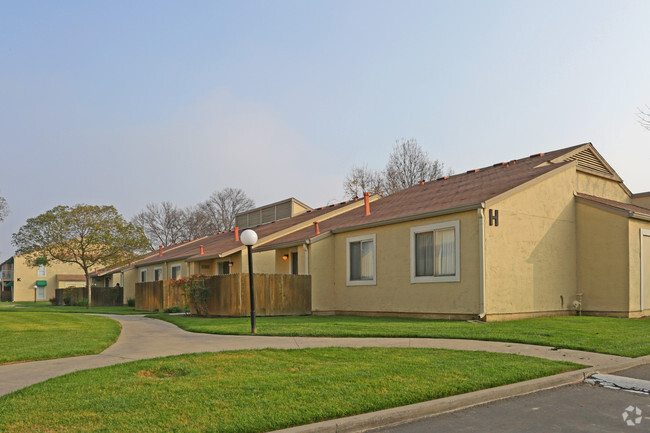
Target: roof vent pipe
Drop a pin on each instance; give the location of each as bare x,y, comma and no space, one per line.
201,247
366,201
316,228
236,234
160,250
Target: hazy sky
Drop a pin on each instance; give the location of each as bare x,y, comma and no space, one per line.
126,103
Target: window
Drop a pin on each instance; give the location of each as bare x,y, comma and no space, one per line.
42,272
143,275
361,262
157,274
176,272
224,268
435,255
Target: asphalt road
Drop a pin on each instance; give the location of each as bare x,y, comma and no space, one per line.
575,408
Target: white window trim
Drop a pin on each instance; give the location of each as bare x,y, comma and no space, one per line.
41,271
348,241
430,228
179,274
143,272
161,273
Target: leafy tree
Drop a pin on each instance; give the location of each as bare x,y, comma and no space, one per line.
86,235
407,165
222,206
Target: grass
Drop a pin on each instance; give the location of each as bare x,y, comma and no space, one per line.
624,337
33,336
255,391
49,308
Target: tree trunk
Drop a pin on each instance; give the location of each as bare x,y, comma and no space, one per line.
88,287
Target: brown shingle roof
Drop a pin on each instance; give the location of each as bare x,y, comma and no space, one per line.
222,242
466,189
616,204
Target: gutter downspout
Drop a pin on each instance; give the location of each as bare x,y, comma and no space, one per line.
481,252
306,250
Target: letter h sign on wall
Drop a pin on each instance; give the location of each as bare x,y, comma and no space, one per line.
494,217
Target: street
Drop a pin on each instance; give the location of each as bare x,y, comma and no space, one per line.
575,408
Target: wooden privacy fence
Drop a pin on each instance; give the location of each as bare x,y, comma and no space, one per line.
101,296
158,295
275,295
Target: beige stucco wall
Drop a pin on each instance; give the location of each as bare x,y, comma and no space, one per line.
603,259
24,289
321,269
283,266
642,201
263,262
530,264
393,292
600,187
166,269
634,260
296,209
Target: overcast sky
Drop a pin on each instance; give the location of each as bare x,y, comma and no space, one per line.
127,103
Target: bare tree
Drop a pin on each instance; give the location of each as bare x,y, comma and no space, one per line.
222,206
162,224
644,118
4,208
363,179
196,223
409,164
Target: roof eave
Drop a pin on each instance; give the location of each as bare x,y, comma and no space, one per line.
413,217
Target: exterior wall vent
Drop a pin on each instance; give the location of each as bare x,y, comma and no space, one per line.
589,161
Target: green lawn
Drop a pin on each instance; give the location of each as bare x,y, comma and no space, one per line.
49,308
255,391
625,337
30,336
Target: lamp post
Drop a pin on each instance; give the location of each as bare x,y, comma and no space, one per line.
249,238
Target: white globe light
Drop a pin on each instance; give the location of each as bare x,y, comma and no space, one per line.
248,237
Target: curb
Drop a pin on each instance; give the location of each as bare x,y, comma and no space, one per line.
414,412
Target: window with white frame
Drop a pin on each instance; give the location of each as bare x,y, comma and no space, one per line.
143,275
176,272
42,270
157,274
361,260
435,253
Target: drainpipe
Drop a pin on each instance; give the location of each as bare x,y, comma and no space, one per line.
481,252
306,250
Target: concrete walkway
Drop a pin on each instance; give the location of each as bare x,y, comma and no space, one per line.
143,338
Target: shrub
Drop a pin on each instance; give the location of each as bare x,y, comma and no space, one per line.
173,309
83,302
67,300
196,293
130,302
53,301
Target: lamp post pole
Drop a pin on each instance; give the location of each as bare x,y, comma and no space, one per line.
249,238
252,289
